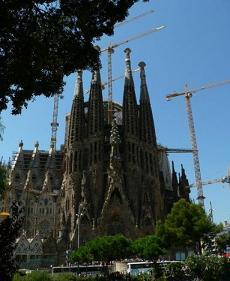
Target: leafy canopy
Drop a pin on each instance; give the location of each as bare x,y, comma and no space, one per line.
3,180
185,225
43,40
149,247
104,248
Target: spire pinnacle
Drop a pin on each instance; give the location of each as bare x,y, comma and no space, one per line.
21,144
79,85
173,168
144,90
96,77
128,70
36,146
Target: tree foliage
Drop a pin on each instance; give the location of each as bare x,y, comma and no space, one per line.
9,231
3,180
104,248
222,241
208,268
185,225
43,40
149,247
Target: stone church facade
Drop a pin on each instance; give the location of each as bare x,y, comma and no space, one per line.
108,177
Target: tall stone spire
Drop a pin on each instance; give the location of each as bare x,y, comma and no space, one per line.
129,100
147,129
33,179
95,110
76,123
50,177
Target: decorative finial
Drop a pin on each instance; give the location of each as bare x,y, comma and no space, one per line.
128,71
78,85
20,144
36,144
96,76
142,71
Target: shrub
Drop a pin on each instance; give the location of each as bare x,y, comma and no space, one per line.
64,277
207,268
38,276
175,272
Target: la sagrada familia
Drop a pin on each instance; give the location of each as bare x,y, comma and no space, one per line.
107,178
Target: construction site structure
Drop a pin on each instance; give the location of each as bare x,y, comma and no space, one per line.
110,51
225,179
134,18
54,123
188,94
105,84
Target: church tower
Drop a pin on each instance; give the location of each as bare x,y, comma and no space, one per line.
112,182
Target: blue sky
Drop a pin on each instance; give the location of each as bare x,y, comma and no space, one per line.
193,49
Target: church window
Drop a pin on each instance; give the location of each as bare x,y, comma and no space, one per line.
80,160
146,162
133,152
91,152
95,152
75,160
99,151
129,151
151,162
17,178
142,157
34,178
70,163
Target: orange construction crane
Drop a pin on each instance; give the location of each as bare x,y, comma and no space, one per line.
188,94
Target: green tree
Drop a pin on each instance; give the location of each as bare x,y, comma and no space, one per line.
222,242
43,40
104,248
3,181
9,231
185,226
149,247
208,268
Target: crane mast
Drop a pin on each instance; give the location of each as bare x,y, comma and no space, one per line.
54,123
110,50
188,94
195,154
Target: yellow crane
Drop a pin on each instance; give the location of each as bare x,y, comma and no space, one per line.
188,94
